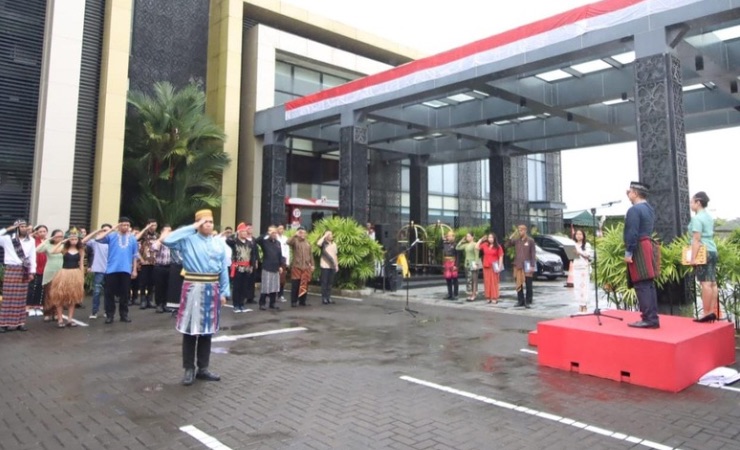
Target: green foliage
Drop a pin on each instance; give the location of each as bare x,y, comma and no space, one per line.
357,253
173,155
728,276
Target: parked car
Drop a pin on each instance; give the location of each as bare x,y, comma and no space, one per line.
560,245
549,265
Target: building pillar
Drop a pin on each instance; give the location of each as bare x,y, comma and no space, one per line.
56,125
499,177
661,141
353,173
223,91
419,189
274,169
106,203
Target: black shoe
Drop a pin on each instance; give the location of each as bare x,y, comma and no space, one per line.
189,377
21,328
275,308
108,320
711,317
250,301
293,304
80,306
449,297
527,307
643,324
206,375
125,319
143,306
519,305
262,308
160,309
324,301
3,329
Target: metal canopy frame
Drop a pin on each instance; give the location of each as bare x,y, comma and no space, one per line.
512,111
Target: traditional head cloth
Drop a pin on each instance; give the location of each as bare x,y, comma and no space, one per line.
203,213
301,228
73,232
640,187
241,227
19,222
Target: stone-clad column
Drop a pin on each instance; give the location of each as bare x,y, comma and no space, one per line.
353,173
499,167
274,169
419,189
661,141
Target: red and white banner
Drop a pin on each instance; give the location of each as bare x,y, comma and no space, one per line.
559,28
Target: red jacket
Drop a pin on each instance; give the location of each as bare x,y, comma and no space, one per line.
490,254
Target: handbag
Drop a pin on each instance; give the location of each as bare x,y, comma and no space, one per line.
701,255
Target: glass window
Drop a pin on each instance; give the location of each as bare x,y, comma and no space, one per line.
283,77
449,179
435,179
435,202
306,81
536,177
331,81
405,183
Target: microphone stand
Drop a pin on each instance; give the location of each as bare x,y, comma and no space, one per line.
597,312
406,307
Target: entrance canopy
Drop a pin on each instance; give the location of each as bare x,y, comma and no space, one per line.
561,83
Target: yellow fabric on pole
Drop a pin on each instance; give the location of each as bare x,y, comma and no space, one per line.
403,264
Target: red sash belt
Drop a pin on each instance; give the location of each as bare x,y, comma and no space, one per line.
236,264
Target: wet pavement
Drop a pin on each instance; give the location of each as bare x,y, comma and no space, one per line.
359,376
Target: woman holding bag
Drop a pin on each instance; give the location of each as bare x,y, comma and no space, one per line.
701,231
493,264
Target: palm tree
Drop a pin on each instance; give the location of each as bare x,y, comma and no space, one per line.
173,155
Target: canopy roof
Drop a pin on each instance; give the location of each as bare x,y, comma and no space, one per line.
560,83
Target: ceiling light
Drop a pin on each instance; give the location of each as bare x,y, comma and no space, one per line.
553,75
525,118
591,66
481,94
436,135
624,58
420,138
461,98
435,104
616,101
726,34
694,87
502,122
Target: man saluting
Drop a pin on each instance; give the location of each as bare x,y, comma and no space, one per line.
204,291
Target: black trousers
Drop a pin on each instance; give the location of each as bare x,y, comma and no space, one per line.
146,283
520,293
242,287
174,287
647,298
193,345
117,284
263,299
327,279
35,291
161,284
134,288
452,287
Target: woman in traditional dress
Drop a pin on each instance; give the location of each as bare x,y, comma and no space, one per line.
449,265
701,229
52,266
581,268
468,245
493,264
68,286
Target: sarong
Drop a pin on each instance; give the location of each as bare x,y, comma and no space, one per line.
200,307
15,290
301,274
645,261
270,282
450,268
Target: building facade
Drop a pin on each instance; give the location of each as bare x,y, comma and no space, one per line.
66,67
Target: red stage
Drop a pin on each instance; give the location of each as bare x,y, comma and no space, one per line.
670,358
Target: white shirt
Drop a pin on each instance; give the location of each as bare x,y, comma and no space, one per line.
11,257
284,247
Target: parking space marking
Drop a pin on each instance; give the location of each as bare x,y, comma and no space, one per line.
541,414
253,335
82,324
209,441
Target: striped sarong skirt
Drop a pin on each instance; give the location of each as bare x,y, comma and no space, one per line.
15,290
270,282
200,307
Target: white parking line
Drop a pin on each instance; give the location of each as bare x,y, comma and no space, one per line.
209,441
526,350
253,335
541,414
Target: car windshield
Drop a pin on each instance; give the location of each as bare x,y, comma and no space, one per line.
562,239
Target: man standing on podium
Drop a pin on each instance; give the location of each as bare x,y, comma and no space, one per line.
204,290
640,254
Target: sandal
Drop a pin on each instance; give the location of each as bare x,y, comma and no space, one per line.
61,325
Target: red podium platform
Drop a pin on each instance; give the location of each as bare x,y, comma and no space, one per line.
670,358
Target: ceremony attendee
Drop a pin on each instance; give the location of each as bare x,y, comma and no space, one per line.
468,246
53,265
35,298
243,262
525,264
148,259
449,265
493,264
301,268
99,253
329,264
638,229
123,253
701,231
68,286
162,261
20,269
581,267
286,255
272,264
204,291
